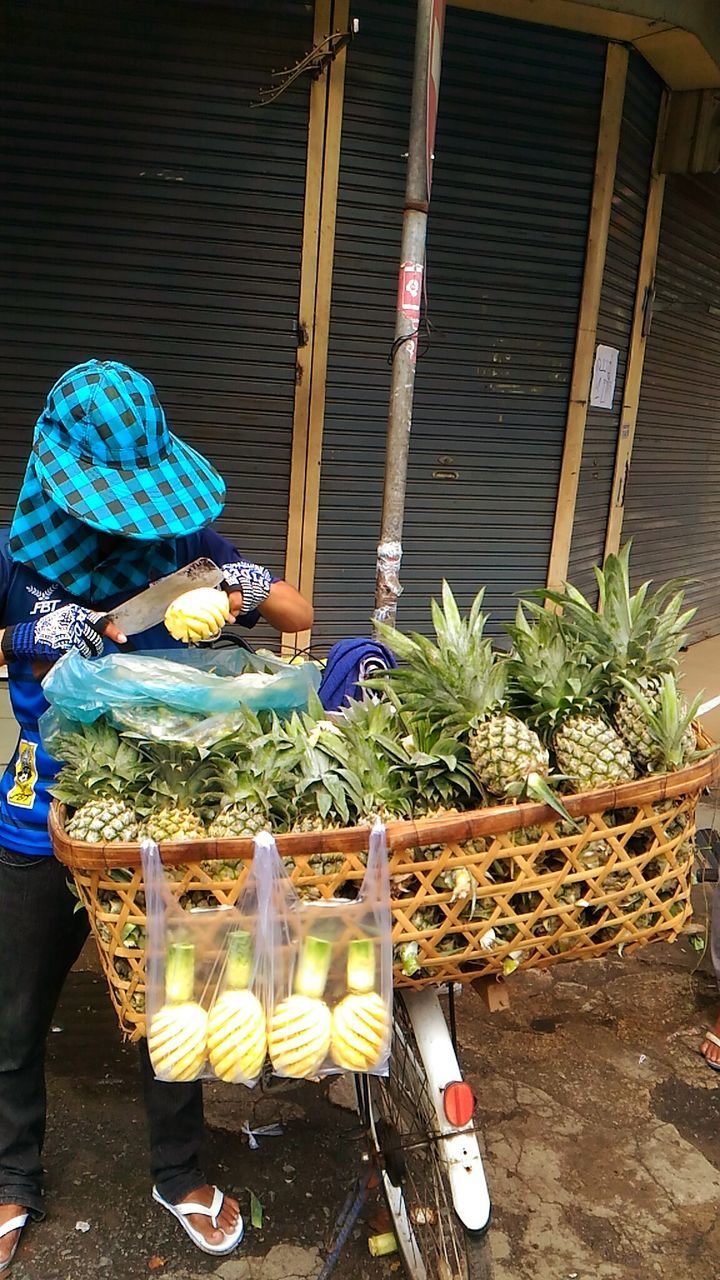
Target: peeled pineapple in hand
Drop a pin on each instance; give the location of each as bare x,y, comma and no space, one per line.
198,615
177,1035
237,1035
299,1030
361,1021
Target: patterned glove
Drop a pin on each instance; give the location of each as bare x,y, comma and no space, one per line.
56,633
254,582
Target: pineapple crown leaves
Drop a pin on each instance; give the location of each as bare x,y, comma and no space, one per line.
549,677
318,762
668,719
455,680
183,776
99,762
628,632
438,769
372,757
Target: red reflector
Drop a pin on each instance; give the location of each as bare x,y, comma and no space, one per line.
458,1103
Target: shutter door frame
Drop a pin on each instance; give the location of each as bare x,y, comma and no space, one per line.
620,316
672,503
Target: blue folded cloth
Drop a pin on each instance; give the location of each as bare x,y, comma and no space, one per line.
349,662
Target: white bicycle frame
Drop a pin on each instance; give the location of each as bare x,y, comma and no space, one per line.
458,1147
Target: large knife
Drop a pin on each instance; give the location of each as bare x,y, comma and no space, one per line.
148,608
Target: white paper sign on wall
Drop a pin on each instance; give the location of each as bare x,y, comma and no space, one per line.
604,377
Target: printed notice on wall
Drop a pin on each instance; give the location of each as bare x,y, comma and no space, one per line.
604,377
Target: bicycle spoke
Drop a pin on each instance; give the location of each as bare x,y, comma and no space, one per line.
403,1103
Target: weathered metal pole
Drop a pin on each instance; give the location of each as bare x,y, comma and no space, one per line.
423,110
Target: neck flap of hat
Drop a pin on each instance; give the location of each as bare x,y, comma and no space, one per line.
63,549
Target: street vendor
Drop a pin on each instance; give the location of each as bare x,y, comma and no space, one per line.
111,502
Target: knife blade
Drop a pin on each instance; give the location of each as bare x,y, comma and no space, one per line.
148,607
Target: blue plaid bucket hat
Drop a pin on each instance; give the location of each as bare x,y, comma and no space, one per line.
103,452
104,461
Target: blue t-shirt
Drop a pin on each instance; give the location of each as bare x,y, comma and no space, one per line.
24,797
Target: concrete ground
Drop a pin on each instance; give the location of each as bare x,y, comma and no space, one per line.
601,1126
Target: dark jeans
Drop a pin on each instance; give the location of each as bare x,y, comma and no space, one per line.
41,936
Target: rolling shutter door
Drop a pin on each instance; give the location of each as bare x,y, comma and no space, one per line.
149,215
517,133
617,302
672,507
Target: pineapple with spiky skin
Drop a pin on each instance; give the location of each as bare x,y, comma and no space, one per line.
100,780
632,636
668,737
460,684
253,777
561,694
640,702
183,786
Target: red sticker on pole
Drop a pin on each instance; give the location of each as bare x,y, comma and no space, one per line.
410,300
410,291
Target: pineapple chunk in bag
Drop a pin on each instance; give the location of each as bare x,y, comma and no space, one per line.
331,965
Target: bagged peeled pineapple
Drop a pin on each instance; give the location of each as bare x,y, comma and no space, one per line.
329,970
206,995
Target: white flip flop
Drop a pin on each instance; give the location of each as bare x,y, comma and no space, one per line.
187,1207
710,1035
15,1224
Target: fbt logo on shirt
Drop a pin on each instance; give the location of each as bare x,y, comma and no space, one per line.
45,602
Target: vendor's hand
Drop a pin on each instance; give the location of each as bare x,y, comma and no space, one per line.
247,585
48,637
235,599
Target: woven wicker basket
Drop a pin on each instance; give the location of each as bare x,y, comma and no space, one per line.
537,894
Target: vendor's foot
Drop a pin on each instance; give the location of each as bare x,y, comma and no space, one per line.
9,1243
710,1050
228,1217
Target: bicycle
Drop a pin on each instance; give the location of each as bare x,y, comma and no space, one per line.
419,1121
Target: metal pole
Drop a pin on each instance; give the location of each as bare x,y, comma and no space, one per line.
407,318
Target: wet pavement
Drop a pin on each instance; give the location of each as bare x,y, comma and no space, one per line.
601,1126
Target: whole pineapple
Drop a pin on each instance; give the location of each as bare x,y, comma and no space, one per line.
634,637
460,684
244,802
99,780
667,739
560,693
183,786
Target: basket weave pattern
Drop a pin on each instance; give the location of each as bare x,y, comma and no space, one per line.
535,893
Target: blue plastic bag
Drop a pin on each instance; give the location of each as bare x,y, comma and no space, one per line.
203,683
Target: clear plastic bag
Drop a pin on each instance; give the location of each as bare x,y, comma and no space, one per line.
193,685
310,983
206,983
329,969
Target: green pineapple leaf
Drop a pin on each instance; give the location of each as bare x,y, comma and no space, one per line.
669,722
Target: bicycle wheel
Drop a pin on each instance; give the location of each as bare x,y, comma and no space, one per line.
433,1243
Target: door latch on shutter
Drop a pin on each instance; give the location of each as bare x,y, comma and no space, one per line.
648,307
623,485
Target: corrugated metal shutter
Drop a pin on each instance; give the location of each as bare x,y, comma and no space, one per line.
149,214
637,142
672,507
517,134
